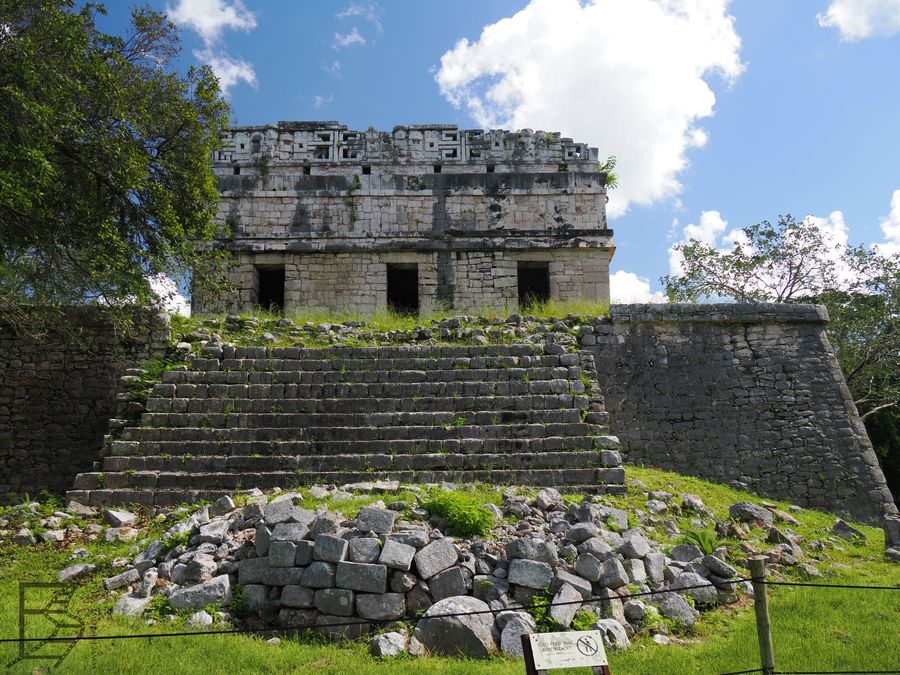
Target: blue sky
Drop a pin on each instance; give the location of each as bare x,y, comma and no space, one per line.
721,113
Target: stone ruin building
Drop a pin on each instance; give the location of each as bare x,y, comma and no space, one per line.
426,217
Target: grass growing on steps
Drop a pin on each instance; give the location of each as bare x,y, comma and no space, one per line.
813,629
382,321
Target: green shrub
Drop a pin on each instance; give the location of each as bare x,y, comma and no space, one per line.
584,620
180,539
464,515
705,540
539,608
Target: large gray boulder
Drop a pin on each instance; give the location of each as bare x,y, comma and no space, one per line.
130,604
634,545
566,604
748,512
614,635
511,636
613,574
674,607
529,573
696,587
468,635
217,590
389,644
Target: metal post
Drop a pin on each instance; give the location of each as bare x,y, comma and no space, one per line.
761,606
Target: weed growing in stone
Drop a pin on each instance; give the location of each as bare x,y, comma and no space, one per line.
705,540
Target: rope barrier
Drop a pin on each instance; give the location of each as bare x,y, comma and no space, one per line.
368,621
239,631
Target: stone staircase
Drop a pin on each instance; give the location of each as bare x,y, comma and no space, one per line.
245,417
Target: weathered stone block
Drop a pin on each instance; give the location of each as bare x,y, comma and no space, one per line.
396,555
529,573
438,555
337,601
362,577
330,549
381,606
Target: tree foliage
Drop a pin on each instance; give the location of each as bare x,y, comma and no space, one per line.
769,263
105,150
792,262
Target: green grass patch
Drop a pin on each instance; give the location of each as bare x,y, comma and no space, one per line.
813,628
464,513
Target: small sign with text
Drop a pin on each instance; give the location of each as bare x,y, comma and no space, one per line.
574,649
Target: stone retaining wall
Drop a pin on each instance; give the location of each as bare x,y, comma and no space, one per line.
57,396
748,394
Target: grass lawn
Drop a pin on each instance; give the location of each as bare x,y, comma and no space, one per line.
814,629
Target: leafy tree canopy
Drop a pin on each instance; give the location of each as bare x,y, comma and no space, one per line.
105,150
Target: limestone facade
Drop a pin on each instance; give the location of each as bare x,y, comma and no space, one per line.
427,217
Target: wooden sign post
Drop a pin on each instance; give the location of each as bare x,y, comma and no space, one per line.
573,649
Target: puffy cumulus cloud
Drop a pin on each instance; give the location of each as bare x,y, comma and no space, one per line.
709,230
859,19
230,71
625,75
628,288
209,19
891,227
171,300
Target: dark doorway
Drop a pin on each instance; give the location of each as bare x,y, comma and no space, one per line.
534,283
403,288
271,288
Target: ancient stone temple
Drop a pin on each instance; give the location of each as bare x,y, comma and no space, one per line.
422,218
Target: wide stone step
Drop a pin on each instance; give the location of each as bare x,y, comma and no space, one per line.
295,376
419,363
361,433
351,389
197,480
356,446
387,352
355,462
298,423
367,404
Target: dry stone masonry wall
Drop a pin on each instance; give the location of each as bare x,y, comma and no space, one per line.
745,394
57,395
317,215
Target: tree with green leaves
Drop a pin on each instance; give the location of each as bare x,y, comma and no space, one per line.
105,149
792,262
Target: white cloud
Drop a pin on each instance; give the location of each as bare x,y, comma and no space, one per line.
859,19
368,11
171,300
624,75
628,288
354,37
891,227
209,19
710,228
229,71
319,101
332,67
